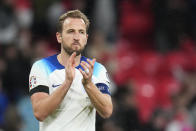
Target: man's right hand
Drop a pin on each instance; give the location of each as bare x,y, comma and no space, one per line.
70,68
43,103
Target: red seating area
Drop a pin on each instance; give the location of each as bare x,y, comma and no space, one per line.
153,75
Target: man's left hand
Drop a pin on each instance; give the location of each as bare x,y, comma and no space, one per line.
88,71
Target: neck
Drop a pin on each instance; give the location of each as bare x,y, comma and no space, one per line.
63,58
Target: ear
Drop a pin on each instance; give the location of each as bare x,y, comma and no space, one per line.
86,40
87,36
59,37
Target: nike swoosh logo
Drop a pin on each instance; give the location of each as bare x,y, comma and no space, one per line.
55,85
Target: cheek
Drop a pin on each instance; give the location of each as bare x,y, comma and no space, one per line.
84,40
66,38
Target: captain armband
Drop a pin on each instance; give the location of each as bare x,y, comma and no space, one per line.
103,88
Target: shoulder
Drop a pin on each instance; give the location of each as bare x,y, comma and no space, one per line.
48,63
99,66
99,69
44,61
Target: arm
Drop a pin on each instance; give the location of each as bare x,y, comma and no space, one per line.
43,103
102,102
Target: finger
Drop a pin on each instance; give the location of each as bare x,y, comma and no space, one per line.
83,73
94,60
84,66
91,62
87,71
72,57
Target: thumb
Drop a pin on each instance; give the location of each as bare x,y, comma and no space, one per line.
93,61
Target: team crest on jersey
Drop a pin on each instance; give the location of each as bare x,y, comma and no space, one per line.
32,82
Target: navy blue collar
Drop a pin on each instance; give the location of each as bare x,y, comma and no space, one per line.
56,63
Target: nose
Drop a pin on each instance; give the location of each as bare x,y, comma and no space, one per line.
76,36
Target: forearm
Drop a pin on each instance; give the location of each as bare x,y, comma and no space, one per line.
102,102
46,105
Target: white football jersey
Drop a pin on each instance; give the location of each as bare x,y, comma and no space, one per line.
76,112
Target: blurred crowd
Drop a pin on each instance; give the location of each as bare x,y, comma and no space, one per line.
147,46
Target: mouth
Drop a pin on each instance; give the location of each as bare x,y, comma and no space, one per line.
76,43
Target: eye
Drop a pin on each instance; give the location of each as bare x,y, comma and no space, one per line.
70,31
82,32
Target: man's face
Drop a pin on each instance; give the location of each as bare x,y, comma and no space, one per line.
73,37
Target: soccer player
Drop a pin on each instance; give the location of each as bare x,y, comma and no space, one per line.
67,89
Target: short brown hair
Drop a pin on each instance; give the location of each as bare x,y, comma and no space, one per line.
72,14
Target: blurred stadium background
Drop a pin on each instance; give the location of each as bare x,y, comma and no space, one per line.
148,47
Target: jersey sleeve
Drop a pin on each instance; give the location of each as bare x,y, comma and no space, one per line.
38,78
102,80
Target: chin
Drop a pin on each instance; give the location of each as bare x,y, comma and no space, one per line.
77,53
69,51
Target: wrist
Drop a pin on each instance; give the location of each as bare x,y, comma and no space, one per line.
67,83
86,83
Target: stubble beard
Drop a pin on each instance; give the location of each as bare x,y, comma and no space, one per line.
69,50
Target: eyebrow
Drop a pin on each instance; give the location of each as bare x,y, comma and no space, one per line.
71,29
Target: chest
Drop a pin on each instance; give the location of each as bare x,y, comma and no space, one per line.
58,77
76,96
